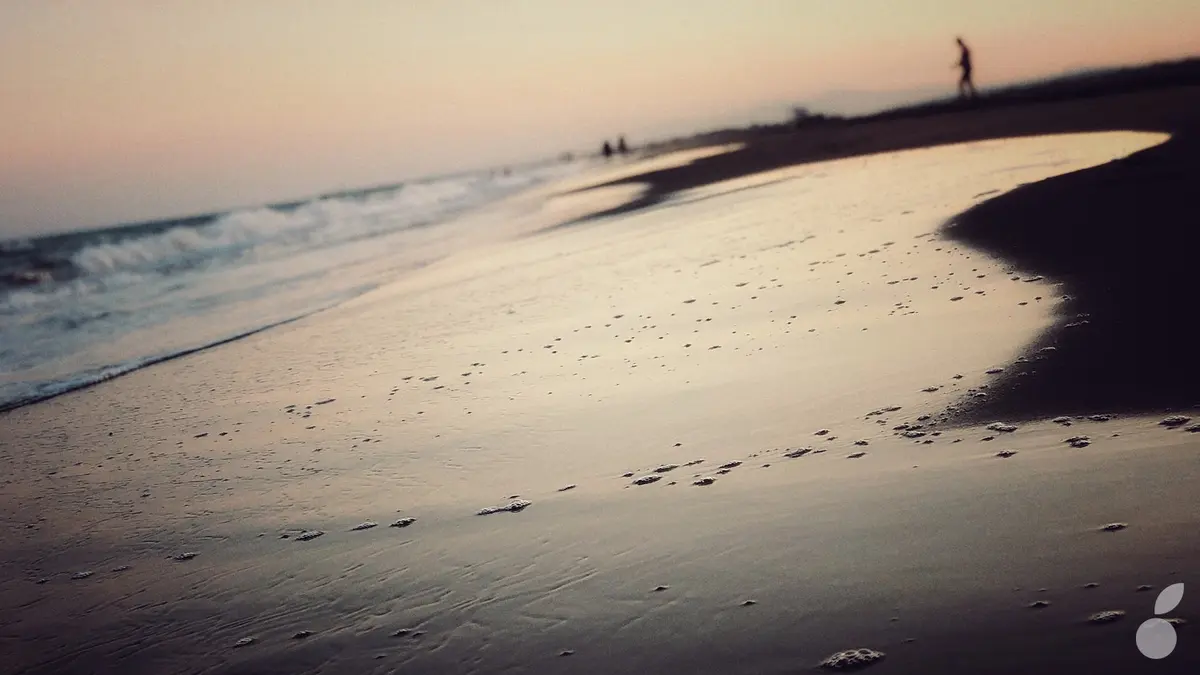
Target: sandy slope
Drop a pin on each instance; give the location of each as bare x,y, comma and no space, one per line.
730,323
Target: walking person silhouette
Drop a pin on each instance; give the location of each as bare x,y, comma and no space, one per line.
966,85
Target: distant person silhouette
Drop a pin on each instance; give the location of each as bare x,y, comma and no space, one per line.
621,147
607,150
966,85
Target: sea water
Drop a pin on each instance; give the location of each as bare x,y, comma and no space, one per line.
79,308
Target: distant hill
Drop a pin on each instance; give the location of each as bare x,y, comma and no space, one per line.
871,106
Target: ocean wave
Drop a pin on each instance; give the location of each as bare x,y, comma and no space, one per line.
262,232
81,308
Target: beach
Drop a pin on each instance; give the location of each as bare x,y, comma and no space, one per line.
736,411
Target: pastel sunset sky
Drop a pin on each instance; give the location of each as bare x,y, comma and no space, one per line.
122,110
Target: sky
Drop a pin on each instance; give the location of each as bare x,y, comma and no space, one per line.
127,110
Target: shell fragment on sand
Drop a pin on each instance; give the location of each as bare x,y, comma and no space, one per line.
646,480
852,659
707,480
798,452
1078,441
364,526
309,535
187,555
1002,427
1114,527
514,506
856,455
1005,454
244,642
403,522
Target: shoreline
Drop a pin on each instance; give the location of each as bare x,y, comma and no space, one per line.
823,308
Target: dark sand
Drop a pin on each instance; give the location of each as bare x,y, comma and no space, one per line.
756,335
1123,238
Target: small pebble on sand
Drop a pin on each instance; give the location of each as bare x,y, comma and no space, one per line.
707,480
363,526
1114,527
852,659
1173,421
244,642
187,555
1078,441
1002,427
82,575
856,455
514,506
403,522
308,535
1039,604
1107,616
1005,454
300,635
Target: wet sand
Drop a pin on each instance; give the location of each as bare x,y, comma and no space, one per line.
810,338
